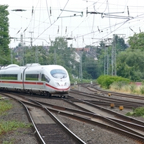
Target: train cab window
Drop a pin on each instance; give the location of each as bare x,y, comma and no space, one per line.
58,73
32,77
45,78
8,76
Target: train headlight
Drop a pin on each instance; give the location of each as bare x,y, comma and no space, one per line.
62,83
58,84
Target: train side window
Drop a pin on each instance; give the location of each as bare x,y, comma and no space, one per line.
32,77
42,77
45,78
8,76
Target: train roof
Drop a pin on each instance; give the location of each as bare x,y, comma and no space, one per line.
30,66
10,66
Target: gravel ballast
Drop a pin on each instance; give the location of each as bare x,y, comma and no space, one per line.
89,133
20,135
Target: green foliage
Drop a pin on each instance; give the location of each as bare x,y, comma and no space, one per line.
130,64
136,112
4,35
119,43
142,90
6,126
58,53
137,41
90,68
104,53
133,88
8,142
105,80
4,106
118,85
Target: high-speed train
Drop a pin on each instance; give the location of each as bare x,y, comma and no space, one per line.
35,78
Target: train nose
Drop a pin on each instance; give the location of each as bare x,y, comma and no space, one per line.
62,84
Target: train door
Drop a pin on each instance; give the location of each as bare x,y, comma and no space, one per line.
21,79
42,79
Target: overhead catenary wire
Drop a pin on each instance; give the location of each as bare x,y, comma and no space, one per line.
109,18
32,13
121,24
52,23
48,11
94,23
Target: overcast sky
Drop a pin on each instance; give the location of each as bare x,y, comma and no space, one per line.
43,20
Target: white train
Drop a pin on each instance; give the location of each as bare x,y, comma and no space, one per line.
35,78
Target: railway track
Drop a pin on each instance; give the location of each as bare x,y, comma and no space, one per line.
106,100
96,89
116,123
47,127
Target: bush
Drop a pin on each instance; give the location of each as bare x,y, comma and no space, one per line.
118,85
105,80
133,88
136,112
142,90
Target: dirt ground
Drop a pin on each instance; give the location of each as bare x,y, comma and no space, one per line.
20,135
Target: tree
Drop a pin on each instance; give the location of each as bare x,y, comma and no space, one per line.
89,67
119,43
104,53
137,41
62,54
130,64
4,35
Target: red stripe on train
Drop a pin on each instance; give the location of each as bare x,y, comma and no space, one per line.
16,82
57,88
34,83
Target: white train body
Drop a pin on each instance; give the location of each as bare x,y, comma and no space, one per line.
50,79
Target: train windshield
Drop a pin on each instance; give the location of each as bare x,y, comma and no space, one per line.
58,73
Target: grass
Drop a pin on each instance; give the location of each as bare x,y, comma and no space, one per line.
127,88
142,90
6,142
4,106
134,90
137,112
7,126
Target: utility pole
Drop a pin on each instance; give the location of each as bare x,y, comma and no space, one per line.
36,55
22,55
11,56
80,69
104,59
55,59
106,56
22,51
112,59
113,55
107,62
31,38
115,65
